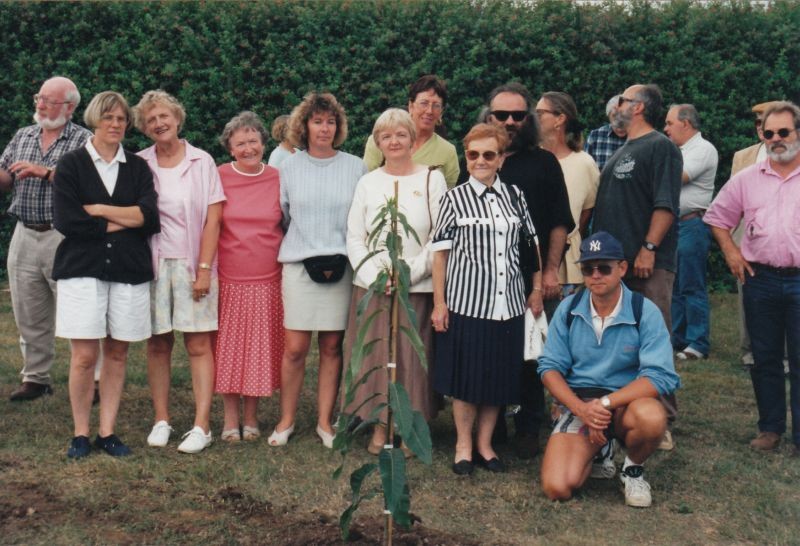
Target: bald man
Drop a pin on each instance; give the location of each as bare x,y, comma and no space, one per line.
27,167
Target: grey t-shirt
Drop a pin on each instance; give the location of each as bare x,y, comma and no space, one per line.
645,174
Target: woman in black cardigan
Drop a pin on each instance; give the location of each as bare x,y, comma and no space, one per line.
106,207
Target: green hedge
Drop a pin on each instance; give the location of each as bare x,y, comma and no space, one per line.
223,57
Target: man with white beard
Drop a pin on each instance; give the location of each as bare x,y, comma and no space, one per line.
27,167
767,196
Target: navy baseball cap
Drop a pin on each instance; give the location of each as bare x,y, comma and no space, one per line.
601,246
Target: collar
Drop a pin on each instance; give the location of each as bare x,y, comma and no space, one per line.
695,138
119,157
614,312
766,168
192,154
481,189
623,311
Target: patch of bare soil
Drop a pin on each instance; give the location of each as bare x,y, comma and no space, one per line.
26,505
320,530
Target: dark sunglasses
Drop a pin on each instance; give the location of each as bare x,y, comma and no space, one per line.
622,100
604,269
516,115
783,133
488,155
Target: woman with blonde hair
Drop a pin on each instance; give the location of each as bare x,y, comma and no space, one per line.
185,292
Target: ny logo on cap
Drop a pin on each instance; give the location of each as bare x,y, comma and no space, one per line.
594,246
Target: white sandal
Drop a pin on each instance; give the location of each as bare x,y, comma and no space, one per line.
231,435
327,439
280,438
250,433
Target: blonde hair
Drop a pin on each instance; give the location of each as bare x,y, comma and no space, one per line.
155,98
391,118
103,103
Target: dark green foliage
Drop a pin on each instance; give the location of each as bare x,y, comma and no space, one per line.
220,58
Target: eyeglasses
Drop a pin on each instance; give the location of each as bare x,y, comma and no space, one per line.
488,155
49,102
541,111
622,100
603,269
516,115
783,133
435,106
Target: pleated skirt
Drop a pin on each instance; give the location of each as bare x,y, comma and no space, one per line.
479,360
410,372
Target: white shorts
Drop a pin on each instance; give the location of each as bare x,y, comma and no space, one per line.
88,308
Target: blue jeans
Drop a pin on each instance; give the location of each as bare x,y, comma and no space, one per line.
690,320
772,310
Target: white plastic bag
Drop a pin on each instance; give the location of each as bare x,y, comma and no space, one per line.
535,335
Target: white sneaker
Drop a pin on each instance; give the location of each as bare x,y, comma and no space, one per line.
195,441
637,490
159,436
603,467
690,354
667,443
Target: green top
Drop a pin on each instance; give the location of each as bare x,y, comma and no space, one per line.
437,151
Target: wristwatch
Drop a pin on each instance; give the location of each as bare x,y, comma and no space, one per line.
606,402
650,246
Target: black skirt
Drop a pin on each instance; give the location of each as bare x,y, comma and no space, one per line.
480,360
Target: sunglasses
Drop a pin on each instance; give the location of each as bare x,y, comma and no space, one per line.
622,100
783,133
516,115
488,155
603,269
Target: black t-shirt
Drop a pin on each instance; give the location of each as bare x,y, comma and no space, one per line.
643,175
538,174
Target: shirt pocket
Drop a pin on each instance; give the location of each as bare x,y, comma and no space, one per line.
754,223
468,221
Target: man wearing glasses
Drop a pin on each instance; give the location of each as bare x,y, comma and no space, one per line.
604,141
27,167
607,358
766,196
538,174
638,201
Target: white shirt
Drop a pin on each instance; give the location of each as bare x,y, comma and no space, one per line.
601,323
108,171
700,161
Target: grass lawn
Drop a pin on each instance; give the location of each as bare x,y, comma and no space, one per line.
710,490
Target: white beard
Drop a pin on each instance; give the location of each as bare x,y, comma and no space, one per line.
50,124
787,155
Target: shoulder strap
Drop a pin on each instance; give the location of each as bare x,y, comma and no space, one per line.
637,303
431,168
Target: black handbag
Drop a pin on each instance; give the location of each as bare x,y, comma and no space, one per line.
528,255
326,269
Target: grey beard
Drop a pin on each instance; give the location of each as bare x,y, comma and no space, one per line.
786,156
50,124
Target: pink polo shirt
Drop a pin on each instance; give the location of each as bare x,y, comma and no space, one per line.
771,209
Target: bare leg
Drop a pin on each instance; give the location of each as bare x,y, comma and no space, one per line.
330,368
230,405
251,411
641,424
293,370
81,382
159,356
487,418
464,415
567,464
112,381
201,361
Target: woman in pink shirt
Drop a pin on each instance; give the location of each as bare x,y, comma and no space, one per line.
249,345
184,294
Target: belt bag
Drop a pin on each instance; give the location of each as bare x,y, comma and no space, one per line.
326,269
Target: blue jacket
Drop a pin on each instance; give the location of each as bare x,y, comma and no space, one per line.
622,354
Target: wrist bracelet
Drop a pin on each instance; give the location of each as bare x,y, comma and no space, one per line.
203,265
537,288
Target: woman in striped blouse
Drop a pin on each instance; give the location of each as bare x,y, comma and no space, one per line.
479,297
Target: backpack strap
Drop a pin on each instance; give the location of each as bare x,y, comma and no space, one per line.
637,303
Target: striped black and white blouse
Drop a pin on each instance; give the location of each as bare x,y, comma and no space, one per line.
481,229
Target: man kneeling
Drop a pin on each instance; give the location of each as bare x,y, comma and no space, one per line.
607,358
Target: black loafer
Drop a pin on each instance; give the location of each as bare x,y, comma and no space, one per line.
463,467
112,445
492,465
79,447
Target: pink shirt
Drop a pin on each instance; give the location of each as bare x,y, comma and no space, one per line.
200,173
171,194
251,232
770,206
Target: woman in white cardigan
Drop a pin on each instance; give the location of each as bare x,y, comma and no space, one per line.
419,192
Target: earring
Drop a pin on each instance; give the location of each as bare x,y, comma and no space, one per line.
439,122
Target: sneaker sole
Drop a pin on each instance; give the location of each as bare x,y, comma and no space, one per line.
638,504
